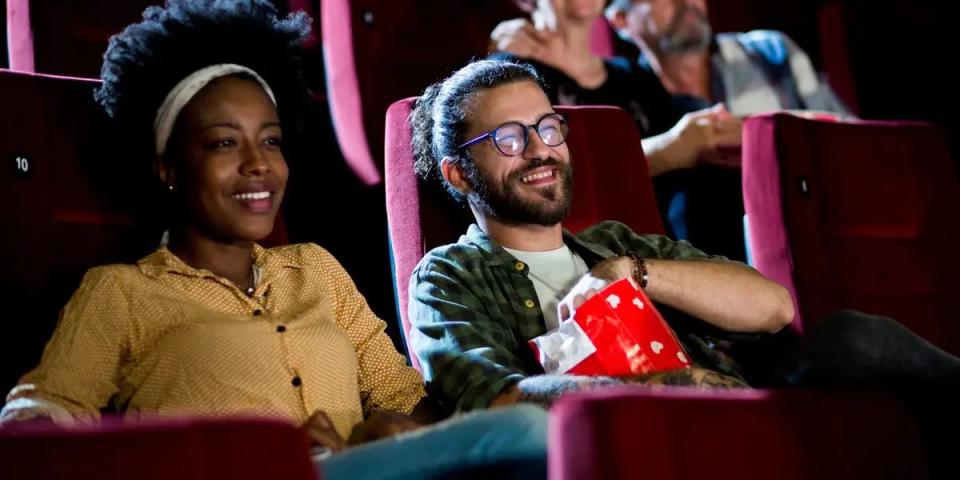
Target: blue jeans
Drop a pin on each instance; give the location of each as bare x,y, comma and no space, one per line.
502,443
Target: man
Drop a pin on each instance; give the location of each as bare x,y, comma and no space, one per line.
753,72
556,40
476,303
489,135
692,152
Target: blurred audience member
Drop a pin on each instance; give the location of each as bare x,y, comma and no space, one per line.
693,155
752,72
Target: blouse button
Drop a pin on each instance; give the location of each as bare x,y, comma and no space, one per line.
257,312
281,328
519,266
530,303
296,381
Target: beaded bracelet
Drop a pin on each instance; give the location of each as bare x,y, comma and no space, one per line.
640,273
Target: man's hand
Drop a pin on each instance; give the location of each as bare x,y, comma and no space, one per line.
711,136
727,139
319,429
602,274
382,424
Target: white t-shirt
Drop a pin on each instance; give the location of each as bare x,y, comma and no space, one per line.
553,273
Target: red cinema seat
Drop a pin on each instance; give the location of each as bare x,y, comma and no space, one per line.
835,53
66,38
858,215
684,434
184,449
376,51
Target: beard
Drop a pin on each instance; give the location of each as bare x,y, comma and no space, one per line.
684,37
505,202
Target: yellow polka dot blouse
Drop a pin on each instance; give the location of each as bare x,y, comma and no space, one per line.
162,338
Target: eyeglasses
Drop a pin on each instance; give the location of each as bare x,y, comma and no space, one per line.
511,138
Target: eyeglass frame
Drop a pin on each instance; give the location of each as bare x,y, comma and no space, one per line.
526,134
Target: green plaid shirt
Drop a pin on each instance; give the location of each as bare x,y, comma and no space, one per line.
473,309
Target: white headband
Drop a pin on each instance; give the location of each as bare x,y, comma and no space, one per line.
185,91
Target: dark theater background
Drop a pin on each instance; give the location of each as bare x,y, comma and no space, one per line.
886,59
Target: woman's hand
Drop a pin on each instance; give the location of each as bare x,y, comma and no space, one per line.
24,417
321,432
543,42
382,424
519,37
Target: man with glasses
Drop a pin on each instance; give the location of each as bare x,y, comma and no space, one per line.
490,135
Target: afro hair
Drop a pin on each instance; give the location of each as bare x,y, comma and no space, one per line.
145,61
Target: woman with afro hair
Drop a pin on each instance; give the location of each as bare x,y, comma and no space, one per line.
211,323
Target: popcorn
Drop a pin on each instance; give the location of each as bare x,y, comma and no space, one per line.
617,332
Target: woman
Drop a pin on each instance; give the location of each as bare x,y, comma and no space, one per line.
213,324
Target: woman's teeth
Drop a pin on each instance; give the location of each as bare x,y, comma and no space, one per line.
252,196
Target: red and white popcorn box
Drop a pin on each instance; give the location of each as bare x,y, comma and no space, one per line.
617,332
562,349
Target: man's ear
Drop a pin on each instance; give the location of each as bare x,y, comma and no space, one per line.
453,174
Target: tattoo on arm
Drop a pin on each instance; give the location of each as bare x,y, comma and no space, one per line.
718,380
691,377
545,389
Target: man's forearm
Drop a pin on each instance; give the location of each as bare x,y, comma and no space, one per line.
661,153
545,389
725,294
688,377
